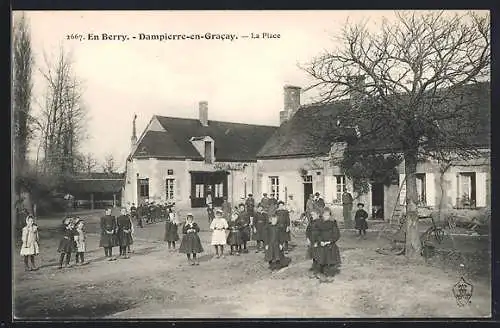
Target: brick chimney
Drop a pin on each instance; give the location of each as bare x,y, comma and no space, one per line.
291,102
356,94
203,113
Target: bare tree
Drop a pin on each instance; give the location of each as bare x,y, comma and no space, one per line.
86,163
63,119
407,82
109,165
22,90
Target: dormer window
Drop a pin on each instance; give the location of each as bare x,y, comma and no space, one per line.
208,152
205,147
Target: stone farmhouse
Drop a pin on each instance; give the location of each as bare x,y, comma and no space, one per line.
181,159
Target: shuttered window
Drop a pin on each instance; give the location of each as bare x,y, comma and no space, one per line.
170,189
144,187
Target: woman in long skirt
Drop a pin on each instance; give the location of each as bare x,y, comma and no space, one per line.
274,248
191,244
329,253
30,246
219,226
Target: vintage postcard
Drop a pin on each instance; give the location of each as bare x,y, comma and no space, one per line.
251,164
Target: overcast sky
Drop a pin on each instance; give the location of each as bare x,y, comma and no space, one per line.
242,80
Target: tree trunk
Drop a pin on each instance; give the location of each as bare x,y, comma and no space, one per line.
413,244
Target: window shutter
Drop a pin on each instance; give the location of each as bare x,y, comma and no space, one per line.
430,189
334,188
330,193
177,185
450,188
481,189
264,184
402,194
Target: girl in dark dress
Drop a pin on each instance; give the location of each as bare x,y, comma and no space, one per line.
234,239
191,244
312,235
171,234
259,225
360,220
329,254
273,239
67,245
284,224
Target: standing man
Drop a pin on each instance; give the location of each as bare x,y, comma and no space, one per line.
347,208
273,205
226,209
245,222
293,209
265,203
318,203
250,205
108,234
124,232
309,206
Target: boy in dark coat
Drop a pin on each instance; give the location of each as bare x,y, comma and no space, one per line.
360,220
329,254
273,205
259,225
124,232
108,234
274,254
284,224
244,220
312,234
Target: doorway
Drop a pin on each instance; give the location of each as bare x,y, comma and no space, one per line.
378,201
308,189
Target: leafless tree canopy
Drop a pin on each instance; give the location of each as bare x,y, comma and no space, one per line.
414,71
407,83
22,87
109,165
63,119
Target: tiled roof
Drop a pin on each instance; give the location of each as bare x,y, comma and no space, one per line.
313,128
232,141
95,186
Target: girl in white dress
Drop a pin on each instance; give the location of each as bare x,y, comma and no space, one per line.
30,243
219,226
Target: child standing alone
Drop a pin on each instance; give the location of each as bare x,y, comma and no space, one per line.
219,226
171,235
30,243
360,220
191,244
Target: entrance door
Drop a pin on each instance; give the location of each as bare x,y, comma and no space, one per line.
203,182
308,191
378,201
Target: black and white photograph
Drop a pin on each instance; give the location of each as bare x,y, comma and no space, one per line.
251,164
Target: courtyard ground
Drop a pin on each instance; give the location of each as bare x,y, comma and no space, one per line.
156,283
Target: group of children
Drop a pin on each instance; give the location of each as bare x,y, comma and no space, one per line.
271,233
72,241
